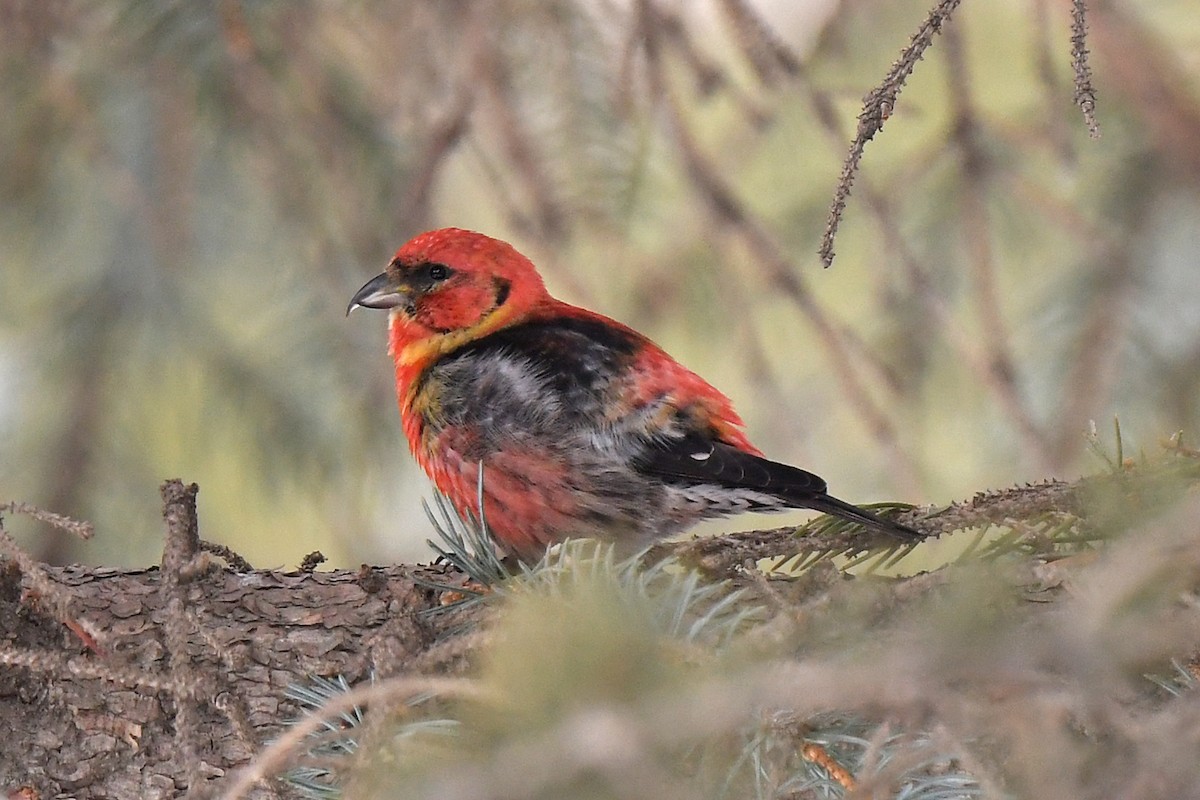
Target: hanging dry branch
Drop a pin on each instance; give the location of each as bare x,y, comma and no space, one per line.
877,108
880,102
1085,95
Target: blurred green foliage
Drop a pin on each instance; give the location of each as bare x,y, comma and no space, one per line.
191,192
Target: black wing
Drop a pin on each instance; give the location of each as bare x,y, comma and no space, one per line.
695,460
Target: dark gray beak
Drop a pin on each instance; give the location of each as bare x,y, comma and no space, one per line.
379,292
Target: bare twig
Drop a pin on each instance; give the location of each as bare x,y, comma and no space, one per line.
183,531
877,107
59,665
181,548
235,560
1085,94
312,560
184,560
84,530
724,557
59,600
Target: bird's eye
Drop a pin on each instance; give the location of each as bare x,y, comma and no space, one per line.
439,272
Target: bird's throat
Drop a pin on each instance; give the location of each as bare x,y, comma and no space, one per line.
414,345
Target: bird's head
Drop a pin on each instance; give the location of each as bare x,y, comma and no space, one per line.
447,287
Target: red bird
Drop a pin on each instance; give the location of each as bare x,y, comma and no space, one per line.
583,426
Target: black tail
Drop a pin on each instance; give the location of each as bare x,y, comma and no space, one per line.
840,508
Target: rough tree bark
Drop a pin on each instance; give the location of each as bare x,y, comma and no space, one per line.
186,678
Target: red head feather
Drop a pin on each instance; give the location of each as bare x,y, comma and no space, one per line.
490,285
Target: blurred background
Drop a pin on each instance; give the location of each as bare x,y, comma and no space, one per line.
191,192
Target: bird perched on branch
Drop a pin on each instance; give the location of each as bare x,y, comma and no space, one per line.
581,425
